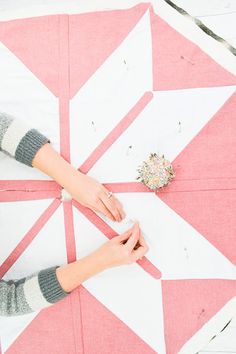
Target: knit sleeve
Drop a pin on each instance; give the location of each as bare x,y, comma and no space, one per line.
19,140
33,293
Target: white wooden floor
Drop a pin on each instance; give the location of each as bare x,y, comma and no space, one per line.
220,17
225,342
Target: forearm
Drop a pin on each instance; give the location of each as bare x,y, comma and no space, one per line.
36,292
72,275
51,163
32,148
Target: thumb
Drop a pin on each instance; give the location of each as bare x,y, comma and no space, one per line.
126,235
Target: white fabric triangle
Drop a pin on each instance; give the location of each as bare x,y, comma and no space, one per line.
35,258
124,289
177,249
111,91
166,126
24,214
12,327
47,249
30,100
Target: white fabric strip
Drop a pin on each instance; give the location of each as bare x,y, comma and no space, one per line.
33,294
13,136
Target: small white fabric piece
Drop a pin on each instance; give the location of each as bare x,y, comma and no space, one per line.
33,294
65,196
13,136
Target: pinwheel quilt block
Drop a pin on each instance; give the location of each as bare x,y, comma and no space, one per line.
108,88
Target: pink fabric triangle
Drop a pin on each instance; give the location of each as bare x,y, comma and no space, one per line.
94,36
35,41
178,63
211,155
108,333
52,331
189,304
58,330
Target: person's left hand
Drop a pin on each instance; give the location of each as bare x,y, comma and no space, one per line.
92,194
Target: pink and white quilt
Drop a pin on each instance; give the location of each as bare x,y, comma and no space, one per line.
108,88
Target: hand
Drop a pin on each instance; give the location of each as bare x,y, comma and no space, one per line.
94,195
123,249
82,188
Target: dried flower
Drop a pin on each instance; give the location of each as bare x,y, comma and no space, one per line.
156,172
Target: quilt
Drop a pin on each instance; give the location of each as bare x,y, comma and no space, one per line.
108,88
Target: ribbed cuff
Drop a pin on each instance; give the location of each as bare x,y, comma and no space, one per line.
5,122
50,286
29,146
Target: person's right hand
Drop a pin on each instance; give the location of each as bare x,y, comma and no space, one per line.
122,249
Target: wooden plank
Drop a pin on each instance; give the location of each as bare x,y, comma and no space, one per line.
233,323
207,8
224,342
216,352
219,16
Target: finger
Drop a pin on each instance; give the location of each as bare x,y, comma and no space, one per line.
139,253
126,235
111,206
103,209
116,203
142,241
132,241
120,208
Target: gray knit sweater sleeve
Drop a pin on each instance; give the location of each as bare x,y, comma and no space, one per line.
18,140
42,289
33,293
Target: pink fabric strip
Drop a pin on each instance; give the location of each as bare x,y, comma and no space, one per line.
204,184
116,132
64,108
188,185
29,237
69,231
15,196
110,233
76,311
127,187
29,185
64,86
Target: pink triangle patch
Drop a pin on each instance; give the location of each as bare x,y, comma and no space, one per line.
103,332
52,331
100,33
94,36
178,63
35,42
58,330
189,304
209,163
